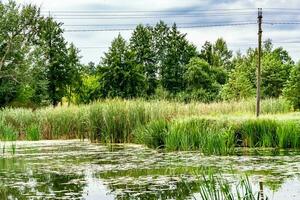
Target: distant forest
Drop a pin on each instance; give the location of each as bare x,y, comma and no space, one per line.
38,67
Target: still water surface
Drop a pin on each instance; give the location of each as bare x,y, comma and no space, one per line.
81,170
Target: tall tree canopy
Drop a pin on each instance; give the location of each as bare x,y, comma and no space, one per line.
142,44
292,89
39,67
59,66
203,81
178,53
120,74
18,32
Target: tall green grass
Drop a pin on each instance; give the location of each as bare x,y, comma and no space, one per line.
219,136
159,124
7,131
257,133
199,134
216,188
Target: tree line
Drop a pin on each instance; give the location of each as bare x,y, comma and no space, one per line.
39,67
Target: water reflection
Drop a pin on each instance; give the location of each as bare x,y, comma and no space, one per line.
80,170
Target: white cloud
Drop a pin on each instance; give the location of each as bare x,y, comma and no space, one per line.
239,37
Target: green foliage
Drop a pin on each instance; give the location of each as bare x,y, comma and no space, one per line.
292,88
7,132
74,79
33,132
202,80
199,134
141,42
18,25
238,86
88,91
38,67
217,188
121,75
289,134
177,54
277,65
158,124
258,133
60,63
217,54
114,122
153,134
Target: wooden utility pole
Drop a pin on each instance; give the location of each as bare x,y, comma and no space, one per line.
259,62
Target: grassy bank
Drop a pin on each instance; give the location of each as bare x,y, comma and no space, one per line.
212,128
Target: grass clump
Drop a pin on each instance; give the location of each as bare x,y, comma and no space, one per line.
206,135
153,134
33,133
114,122
288,133
7,132
217,188
257,133
159,124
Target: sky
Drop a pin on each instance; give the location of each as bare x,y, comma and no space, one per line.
113,14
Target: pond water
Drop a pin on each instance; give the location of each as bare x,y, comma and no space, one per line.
81,170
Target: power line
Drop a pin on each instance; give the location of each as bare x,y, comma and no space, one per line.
281,23
146,11
195,26
232,44
147,24
145,17
190,25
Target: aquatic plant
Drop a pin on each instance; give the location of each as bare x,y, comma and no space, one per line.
257,133
217,188
214,128
288,133
209,136
33,132
153,134
7,132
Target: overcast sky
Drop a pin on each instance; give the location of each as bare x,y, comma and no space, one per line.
93,44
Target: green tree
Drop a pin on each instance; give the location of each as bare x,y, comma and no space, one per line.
141,43
292,89
90,68
178,54
59,71
88,90
160,40
222,55
238,86
206,53
217,54
120,74
74,67
39,81
202,80
18,25
276,68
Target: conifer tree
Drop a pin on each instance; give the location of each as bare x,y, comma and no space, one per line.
120,74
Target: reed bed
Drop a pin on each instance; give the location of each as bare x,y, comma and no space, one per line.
215,187
219,135
215,128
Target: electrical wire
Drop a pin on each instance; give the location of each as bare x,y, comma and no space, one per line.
129,29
